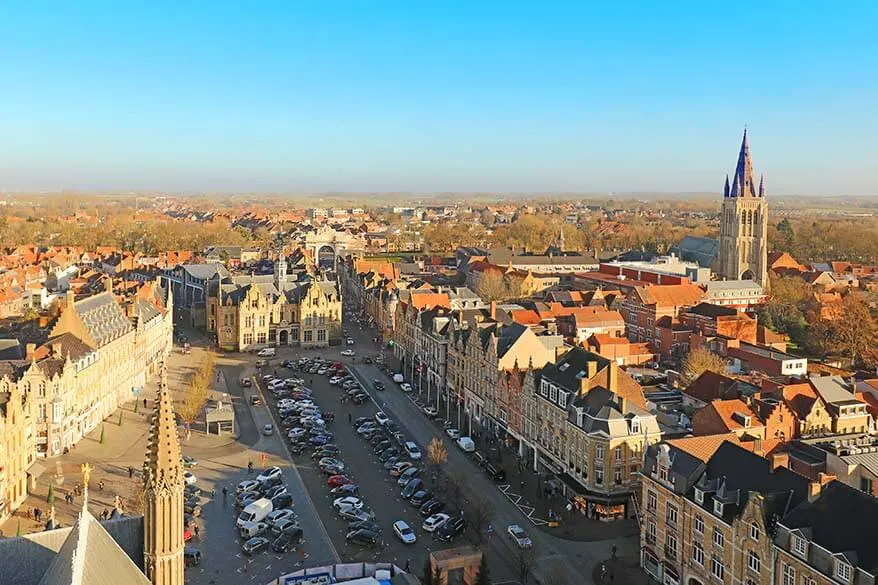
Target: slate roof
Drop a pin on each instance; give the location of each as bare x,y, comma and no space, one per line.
697,249
11,349
90,556
711,310
103,318
205,271
841,520
832,389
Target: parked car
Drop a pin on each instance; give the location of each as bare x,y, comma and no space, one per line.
363,537
255,545
348,489
404,532
189,477
412,450
352,514
452,433
407,475
337,480
277,515
431,411
411,487
452,528
353,501
420,497
466,444
406,387
287,541
191,557
431,507
188,461
381,418
370,525
388,453
268,430
282,501
270,472
279,527
435,521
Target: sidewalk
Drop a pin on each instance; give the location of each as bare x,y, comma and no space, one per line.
621,571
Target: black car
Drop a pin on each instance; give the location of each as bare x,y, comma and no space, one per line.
298,448
431,507
382,445
448,531
247,498
282,501
255,545
388,453
275,491
288,539
290,421
363,538
358,422
323,452
192,490
348,489
270,483
420,497
369,525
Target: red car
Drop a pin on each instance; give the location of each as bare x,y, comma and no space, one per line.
187,535
336,480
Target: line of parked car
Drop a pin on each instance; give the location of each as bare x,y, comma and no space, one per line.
266,518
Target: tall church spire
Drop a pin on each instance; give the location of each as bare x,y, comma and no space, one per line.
762,185
726,188
742,185
163,494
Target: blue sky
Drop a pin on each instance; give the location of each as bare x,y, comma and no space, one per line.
426,95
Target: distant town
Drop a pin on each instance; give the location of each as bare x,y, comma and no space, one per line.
684,389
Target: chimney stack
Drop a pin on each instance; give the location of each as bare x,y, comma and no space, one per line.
493,310
781,459
814,489
31,349
108,284
612,377
592,369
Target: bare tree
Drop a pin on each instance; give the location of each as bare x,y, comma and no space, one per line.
700,360
437,455
491,286
198,391
524,562
480,514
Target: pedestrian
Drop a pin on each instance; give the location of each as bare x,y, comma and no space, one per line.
408,564
613,550
225,492
101,485
196,531
130,472
30,513
144,403
37,514
249,467
350,418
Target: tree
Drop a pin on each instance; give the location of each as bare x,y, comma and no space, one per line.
198,391
483,578
50,496
480,515
137,501
103,434
854,330
437,454
491,286
524,561
18,531
700,360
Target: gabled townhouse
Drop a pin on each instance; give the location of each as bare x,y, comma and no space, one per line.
644,306
586,422
712,520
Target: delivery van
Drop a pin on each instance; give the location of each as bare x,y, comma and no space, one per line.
255,512
398,378
267,352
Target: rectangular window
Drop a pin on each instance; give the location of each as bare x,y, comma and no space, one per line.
307,336
843,571
262,320
699,496
260,337
717,569
800,547
651,501
553,394
599,476
671,514
754,531
618,452
671,546
698,553
248,339
718,538
699,525
599,454
650,531
787,575
617,475
866,485
321,335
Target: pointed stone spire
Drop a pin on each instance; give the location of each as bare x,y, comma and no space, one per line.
726,188
163,493
743,185
761,185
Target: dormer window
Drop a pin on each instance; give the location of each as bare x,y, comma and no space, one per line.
843,571
635,425
800,546
699,496
717,507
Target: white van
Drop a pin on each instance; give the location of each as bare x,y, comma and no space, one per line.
267,352
466,444
251,529
398,378
255,512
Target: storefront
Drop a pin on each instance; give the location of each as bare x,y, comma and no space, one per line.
597,506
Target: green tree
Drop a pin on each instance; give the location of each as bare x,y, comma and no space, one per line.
50,496
103,434
18,531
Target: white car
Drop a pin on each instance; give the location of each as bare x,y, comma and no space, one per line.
406,387
189,478
519,536
268,430
413,452
452,433
333,381
269,473
348,501
350,341
435,522
431,411
348,353
381,418
278,515
404,532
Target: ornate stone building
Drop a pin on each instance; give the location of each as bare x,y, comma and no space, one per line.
743,240
256,311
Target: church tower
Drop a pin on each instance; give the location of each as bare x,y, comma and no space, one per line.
163,494
743,235
280,270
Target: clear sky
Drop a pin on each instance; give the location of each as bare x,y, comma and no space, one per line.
428,95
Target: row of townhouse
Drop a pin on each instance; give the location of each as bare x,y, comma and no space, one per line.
716,513
99,354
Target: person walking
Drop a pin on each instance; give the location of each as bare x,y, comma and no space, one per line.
130,472
249,467
350,418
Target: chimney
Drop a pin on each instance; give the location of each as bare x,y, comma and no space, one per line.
814,489
71,297
493,310
592,369
108,284
31,349
612,377
781,459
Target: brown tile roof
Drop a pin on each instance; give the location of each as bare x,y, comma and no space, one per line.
713,386
718,417
703,447
671,295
